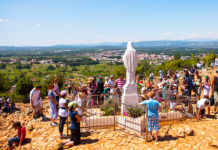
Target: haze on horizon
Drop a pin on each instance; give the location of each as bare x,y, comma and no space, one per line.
53,22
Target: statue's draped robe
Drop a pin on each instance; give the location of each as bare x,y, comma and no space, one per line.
130,60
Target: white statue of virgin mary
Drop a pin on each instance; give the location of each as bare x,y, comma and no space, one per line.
130,60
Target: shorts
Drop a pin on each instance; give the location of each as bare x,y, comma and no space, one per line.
37,107
12,140
153,122
203,112
206,92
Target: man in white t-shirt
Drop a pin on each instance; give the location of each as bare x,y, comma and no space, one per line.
201,105
161,73
35,102
151,77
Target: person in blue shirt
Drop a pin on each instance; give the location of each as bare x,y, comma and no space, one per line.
74,128
153,118
212,64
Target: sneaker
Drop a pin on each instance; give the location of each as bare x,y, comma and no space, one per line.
63,136
53,124
34,120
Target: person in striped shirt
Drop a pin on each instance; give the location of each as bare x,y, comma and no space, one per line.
120,82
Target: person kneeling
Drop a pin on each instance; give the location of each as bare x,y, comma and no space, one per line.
201,105
74,128
21,134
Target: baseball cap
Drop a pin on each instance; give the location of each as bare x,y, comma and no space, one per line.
64,92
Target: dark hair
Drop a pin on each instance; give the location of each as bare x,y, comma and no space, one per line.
206,102
71,108
101,79
16,124
164,76
196,72
187,74
38,86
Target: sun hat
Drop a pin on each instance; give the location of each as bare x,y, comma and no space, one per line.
64,92
151,94
73,103
106,78
206,76
175,85
90,80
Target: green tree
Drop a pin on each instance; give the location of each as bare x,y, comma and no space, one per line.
15,80
177,56
40,74
209,58
24,86
50,67
5,85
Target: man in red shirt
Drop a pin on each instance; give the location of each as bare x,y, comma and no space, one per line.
120,82
21,134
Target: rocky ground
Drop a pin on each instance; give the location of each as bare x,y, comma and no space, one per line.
40,135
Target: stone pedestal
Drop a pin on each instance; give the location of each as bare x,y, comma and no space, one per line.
129,97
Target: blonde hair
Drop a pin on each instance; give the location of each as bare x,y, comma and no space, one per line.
81,94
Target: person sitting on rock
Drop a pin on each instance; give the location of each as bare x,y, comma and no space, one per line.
74,128
13,106
153,118
201,105
63,113
21,134
6,107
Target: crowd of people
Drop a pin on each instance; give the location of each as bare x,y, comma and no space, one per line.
7,105
101,89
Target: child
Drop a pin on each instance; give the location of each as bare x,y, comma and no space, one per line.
21,134
74,128
80,100
63,113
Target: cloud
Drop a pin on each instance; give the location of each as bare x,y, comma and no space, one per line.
118,39
38,24
51,40
203,35
167,33
4,20
67,25
183,32
98,36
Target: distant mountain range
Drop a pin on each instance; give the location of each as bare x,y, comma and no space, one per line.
182,43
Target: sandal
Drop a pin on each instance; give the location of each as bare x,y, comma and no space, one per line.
60,147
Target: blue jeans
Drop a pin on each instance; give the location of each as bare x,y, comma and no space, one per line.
14,139
150,79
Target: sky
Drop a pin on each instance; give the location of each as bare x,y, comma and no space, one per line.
53,22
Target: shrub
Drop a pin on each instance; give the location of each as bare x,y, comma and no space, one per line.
134,112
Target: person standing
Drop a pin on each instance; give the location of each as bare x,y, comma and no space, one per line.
192,72
207,85
153,118
99,90
56,91
214,85
120,83
52,103
70,87
197,81
151,77
63,113
35,102
161,73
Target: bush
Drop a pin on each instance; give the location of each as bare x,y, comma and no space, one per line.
134,112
